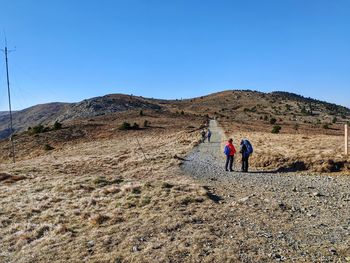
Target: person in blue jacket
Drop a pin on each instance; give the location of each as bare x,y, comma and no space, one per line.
209,135
246,149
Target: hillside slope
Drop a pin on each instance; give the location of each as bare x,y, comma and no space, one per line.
51,112
240,106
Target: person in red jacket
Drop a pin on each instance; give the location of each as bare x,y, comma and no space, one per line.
230,153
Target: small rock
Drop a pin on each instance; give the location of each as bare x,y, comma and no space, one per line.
135,248
243,200
91,243
311,215
317,194
333,251
282,206
278,257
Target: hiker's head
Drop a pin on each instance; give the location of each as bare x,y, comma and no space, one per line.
230,140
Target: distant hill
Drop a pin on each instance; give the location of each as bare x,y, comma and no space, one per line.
246,105
3,113
51,112
235,105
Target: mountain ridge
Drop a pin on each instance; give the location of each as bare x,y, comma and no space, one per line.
237,104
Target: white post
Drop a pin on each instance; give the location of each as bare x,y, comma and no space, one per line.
346,140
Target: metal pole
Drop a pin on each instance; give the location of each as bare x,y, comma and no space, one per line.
346,140
144,155
10,109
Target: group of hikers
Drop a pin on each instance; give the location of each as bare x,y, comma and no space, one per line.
245,148
206,135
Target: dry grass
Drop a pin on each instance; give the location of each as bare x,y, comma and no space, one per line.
303,150
102,201
96,198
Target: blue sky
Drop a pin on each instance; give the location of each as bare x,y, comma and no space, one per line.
72,50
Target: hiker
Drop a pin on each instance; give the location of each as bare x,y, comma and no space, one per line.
209,135
230,153
246,149
203,133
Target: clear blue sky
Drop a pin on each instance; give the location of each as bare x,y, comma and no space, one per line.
69,50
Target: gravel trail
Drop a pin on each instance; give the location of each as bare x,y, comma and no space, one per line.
289,216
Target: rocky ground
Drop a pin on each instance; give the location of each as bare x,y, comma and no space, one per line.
274,216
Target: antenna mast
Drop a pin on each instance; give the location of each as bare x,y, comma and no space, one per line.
9,98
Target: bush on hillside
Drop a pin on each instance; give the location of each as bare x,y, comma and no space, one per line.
273,121
57,126
125,126
128,126
276,129
48,147
37,129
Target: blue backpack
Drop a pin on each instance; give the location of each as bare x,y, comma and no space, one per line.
249,146
227,150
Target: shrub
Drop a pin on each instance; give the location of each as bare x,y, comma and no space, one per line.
141,113
135,126
57,126
296,126
136,190
276,129
125,126
146,123
273,121
334,120
325,126
182,112
48,147
37,129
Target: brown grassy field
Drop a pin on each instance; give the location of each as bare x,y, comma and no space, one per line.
307,149
97,196
102,200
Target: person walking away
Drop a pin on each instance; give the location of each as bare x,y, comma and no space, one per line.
203,135
209,135
230,153
246,149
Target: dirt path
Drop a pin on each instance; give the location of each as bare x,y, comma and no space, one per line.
287,216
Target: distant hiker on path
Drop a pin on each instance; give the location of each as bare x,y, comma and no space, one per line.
209,135
203,133
230,153
246,149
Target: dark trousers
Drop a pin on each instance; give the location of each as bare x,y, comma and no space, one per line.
245,163
209,138
229,162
